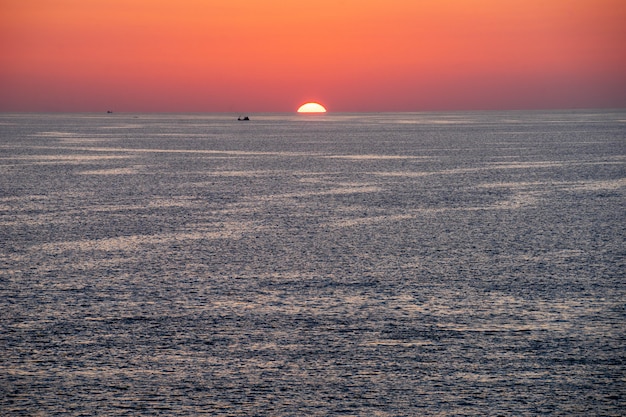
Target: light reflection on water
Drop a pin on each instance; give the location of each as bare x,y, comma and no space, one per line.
383,264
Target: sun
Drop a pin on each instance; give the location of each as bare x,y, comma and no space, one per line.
311,108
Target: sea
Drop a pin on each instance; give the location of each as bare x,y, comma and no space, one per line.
373,264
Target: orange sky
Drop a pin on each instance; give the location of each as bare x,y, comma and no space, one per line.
273,55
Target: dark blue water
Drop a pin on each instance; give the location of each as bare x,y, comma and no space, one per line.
353,265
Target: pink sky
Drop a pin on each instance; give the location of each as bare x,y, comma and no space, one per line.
272,55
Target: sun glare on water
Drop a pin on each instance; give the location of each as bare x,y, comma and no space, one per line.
311,108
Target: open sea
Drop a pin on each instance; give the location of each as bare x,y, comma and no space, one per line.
409,264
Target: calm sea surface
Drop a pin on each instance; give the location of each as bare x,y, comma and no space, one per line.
431,264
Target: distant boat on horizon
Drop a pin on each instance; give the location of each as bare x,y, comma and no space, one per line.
245,118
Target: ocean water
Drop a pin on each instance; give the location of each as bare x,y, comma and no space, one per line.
413,264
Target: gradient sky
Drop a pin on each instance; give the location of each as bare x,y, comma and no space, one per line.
273,55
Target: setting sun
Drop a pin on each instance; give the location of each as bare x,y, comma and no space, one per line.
311,108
